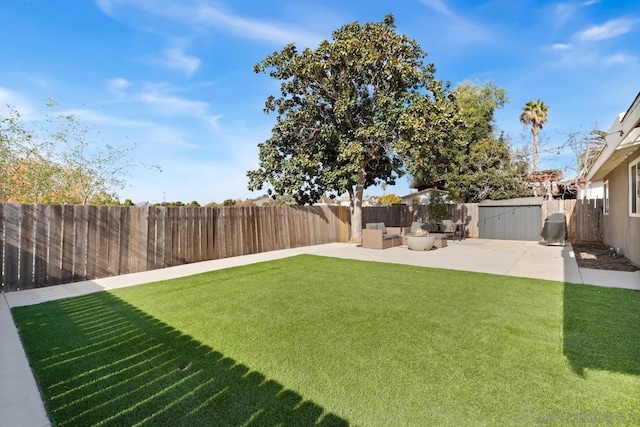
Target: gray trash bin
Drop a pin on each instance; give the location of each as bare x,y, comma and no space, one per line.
555,229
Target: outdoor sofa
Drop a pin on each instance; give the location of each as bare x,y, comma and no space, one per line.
376,235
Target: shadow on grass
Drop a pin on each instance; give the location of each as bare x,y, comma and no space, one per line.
99,360
601,329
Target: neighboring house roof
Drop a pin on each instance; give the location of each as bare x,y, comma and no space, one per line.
423,196
437,184
622,140
423,192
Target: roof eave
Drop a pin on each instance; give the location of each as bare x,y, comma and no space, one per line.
622,139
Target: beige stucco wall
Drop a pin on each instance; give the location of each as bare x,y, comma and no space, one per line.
621,230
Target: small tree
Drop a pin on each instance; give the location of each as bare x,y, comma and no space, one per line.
58,161
389,199
438,206
586,147
534,114
490,171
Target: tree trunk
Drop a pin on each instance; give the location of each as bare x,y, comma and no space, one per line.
534,162
356,208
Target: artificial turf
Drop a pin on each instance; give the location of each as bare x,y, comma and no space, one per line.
320,341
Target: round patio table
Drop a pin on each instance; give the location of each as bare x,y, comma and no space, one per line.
418,242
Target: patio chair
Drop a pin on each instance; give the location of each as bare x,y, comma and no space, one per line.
460,232
433,226
448,227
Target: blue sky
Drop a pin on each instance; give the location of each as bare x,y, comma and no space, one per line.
176,77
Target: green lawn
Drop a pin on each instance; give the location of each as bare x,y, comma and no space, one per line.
319,341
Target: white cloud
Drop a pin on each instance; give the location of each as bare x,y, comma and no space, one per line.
175,57
16,101
561,46
103,119
107,6
173,105
199,16
41,82
252,28
118,85
178,106
169,136
152,131
438,6
608,30
563,12
462,30
619,59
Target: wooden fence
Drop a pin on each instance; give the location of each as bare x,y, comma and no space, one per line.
44,245
403,215
584,217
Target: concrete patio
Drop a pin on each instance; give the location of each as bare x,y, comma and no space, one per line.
20,400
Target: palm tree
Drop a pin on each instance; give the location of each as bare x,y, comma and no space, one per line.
534,114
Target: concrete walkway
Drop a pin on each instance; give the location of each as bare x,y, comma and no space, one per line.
20,400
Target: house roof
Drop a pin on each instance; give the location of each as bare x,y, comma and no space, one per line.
423,192
622,140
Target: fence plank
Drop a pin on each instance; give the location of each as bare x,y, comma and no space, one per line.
250,229
210,232
68,232
121,233
41,244
171,245
217,238
179,229
93,248
230,232
159,239
103,241
151,239
80,243
27,246
140,242
54,269
12,246
188,235
201,236
113,237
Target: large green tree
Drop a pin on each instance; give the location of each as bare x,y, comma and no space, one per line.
486,167
490,171
534,114
349,113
